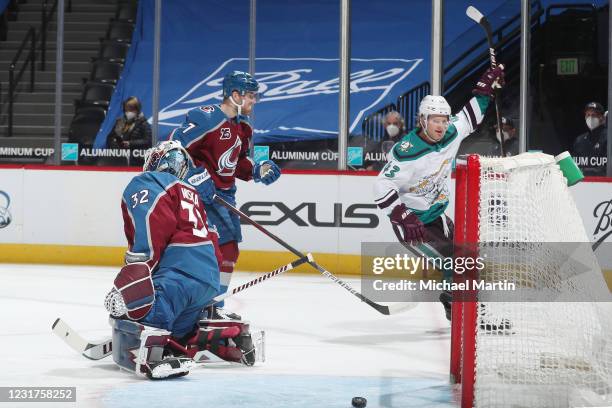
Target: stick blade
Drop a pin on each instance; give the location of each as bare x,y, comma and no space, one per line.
401,307
92,351
473,13
70,337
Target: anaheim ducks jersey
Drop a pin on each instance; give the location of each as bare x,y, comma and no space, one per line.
416,172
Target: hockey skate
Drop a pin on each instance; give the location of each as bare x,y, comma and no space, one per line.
446,298
169,367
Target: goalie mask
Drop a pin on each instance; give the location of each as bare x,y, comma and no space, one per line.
168,157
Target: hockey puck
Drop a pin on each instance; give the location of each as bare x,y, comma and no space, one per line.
359,402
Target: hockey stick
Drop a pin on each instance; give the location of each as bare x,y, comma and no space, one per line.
473,13
384,309
420,249
282,269
92,351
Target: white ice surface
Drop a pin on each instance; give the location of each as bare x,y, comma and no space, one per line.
323,346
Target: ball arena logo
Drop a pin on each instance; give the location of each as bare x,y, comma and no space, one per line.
5,214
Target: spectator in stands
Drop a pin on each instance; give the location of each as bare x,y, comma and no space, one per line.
510,137
395,128
590,148
131,130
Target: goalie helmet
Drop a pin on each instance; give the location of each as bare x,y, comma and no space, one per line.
168,157
242,82
433,105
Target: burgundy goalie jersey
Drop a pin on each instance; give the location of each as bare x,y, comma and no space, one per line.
165,226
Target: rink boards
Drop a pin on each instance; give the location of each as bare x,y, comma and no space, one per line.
72,216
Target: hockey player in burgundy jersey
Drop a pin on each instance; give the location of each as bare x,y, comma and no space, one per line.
171,273
218,138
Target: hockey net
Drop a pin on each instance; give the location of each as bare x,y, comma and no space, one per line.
528,353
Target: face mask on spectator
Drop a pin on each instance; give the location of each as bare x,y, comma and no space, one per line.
130,115
505,134
592,122
393,130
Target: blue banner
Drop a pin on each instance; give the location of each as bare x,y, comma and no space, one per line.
297,64
299,96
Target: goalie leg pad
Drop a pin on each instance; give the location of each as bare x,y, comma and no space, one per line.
144,351
229,340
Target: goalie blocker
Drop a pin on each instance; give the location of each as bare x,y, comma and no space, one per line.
156,354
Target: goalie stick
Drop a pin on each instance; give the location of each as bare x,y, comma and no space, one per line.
92,351
473,13
282,269
384,309
97,351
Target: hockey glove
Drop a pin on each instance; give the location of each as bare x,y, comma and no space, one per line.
199,178
266,171
492,78
406,225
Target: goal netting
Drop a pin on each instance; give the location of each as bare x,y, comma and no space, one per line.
548,343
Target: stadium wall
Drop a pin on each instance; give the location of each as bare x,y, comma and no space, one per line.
71,215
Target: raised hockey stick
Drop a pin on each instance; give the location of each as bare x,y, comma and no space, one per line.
92,351
384,309
97,351
473,13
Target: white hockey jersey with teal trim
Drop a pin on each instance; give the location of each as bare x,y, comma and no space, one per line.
416,172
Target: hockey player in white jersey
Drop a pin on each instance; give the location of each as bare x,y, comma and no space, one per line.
412,188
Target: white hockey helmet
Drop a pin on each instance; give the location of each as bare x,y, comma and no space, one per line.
433,105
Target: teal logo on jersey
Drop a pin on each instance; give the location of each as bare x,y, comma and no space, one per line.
70,151
404,146
355,156
261,153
